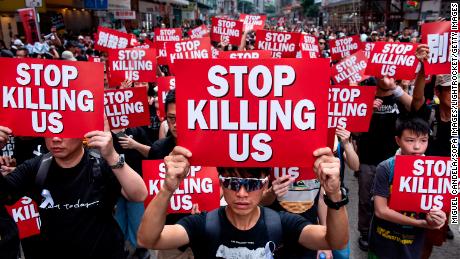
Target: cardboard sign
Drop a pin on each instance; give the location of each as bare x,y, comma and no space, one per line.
282,44
306,54
437,36
252,108
51,98
226,30
165,84
248,54
187,49
309,46
163,35
421,183
201,186
198,32
126,108
253,22
106,39
396,60
367,47
344,47
25,213
298,173
350,69
137,65
30,25
351,107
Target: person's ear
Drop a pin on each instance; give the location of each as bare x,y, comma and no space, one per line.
398,140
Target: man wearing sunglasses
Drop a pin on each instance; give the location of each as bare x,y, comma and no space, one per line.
244,230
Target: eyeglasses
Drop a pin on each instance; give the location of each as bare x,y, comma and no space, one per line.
235,183
322,43
171,119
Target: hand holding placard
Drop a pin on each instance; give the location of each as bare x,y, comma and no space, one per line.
177,167
327,169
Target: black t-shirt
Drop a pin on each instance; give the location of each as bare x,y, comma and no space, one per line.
162,148
379,142
79,223
132,157
27,148
388,239
234,243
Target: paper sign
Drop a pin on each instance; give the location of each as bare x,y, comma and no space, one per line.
344,47
350,69
252,108
309,45
253,22
25,213
51,98
248,54
395,60
282,44
226,30
351,107
188,49
201,186
165,84
163,35
367,47
147,44
298,173
137,65
421,183
127,108
198,32
30,25
437,36
106,39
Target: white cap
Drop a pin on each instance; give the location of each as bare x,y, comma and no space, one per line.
67,55
18,42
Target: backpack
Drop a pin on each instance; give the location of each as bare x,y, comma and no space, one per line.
272,223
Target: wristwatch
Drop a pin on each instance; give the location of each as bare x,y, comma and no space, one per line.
339,204
119,164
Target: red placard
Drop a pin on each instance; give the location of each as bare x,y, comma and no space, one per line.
147,44
163,35
253,22
248,54
344,47
25,213
201,186
188,49
165,84
137,65
298,173
252,108
395,60
226,30
421,183
198,32
51,98
351,107
437,36
350,69
309,45
106,39
215,52
282,44
126,108
95,59
30,25
367,47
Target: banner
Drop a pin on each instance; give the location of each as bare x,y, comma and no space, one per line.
396,60
124,15
25,213
106,39
226,30
351,107
29,22
344,47
126,108
421,183
253,22
51,98
137,65
198,32
163,35
282,44
437,36
367,47
187,49
165,84
248,54
201,186
350,69
252,108
309,46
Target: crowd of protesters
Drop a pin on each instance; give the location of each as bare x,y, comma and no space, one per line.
410,118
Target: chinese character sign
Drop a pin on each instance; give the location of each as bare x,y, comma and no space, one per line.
437,36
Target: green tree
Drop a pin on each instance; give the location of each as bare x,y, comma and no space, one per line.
310,9
269,8
245,7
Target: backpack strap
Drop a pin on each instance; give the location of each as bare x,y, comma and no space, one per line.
274,227
212,228
42,173
392,169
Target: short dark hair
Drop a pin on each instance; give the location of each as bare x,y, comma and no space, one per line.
414,124
246,172
170,99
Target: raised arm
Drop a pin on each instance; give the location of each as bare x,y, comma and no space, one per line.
418,98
